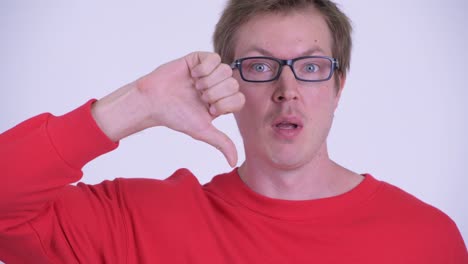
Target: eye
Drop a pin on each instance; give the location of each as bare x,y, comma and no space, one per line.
311,68
260,67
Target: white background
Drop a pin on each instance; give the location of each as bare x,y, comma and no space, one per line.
402,116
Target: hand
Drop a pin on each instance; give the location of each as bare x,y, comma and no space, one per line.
184,95
188,93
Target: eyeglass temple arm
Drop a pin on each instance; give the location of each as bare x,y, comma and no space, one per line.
235,64
336,63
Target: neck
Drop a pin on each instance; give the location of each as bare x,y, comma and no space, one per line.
318,178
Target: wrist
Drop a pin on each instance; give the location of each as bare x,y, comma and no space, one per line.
122,113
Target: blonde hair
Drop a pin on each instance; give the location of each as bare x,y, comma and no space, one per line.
238,12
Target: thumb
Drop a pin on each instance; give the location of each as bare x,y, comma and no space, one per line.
221,141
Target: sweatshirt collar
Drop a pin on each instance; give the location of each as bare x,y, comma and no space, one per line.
233,190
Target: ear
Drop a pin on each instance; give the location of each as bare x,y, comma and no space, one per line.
341,84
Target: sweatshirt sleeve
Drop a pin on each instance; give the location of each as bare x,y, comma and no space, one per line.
39,158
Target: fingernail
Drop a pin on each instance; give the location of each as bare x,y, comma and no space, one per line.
212,110
196,84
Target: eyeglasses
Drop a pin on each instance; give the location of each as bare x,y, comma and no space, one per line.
267,69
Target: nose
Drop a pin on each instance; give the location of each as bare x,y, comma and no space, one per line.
286,87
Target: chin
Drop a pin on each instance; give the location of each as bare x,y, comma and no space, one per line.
292,156
287,161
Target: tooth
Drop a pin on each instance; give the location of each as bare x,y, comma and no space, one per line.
287,126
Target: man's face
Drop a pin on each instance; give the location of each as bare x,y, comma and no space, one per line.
285,123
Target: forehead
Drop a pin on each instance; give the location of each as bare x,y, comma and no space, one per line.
284,35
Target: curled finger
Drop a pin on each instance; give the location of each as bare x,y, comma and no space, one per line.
221,73
228,104
225,89
208,62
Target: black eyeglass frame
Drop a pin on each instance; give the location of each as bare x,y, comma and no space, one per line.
334,66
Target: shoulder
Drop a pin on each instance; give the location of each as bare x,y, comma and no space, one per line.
393,218
165,202
418,222
181,182
138,193
395,199
406,207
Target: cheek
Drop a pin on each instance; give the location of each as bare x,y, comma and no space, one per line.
247,115
245,123
321,104
250,116
256,96
326,96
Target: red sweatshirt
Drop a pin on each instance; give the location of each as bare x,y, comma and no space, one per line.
44,219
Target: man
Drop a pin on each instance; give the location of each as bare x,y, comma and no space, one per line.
284,68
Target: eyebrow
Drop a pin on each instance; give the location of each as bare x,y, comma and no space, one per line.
270,54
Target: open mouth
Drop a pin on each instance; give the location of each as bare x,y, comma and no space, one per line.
287,125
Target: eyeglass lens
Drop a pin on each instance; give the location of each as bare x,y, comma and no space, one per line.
265,69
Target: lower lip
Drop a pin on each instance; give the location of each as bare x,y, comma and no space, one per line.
287,133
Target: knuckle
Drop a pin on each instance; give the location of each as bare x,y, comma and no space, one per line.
234,84
240,100
218,108
209,95
201,84
206,96
225,70
232,104
203,69
241,97
216,57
